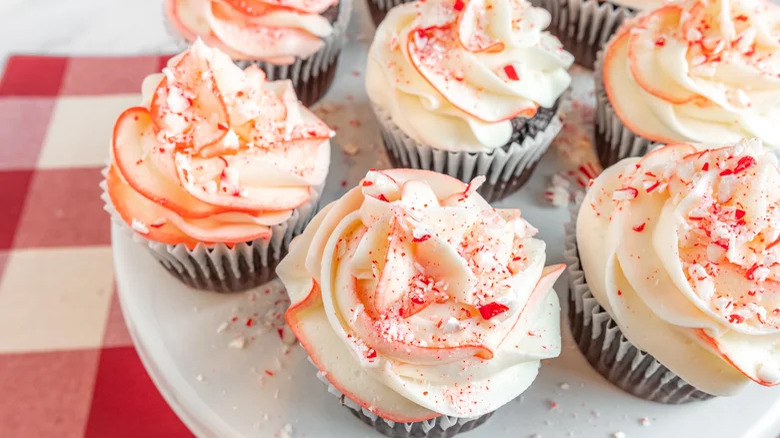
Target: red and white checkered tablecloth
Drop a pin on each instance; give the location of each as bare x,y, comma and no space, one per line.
67,364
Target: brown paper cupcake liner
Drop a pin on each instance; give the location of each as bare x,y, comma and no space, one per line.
584,26
439,427
380,8
222,268
613,140
506,169
312,77
606,348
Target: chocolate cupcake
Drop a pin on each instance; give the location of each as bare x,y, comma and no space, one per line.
674,275
692,71
290,39
423,308
217,170
455,95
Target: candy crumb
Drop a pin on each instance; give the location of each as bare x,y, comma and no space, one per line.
238,343
286,431
350,148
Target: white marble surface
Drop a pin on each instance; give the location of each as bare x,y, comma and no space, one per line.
82,27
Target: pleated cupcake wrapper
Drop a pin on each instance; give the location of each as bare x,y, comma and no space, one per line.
219,267
584,26
311,76
614,141
380,8
506,169
598,337
439,427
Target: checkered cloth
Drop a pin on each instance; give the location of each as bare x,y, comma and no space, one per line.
67,364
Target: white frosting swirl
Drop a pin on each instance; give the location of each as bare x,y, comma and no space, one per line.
705,71
276,31
687,260
417,299
216,154
453,73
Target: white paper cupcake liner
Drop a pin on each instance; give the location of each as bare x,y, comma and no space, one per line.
506,169
380,8
606,348
439,427
584,26
311,76
219,267
614,141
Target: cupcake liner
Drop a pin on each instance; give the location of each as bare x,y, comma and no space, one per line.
506,169
584,26
380,8
614,141
439,427
606,348
311,77
221,268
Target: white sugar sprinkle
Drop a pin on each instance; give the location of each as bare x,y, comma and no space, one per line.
286,431
139,226
222,327
238,343
350,148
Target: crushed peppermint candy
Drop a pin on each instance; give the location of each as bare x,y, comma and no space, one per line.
238,343
139,226
286,431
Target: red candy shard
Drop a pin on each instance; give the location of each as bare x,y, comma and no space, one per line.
744,163
511,73
491,310
736,319
422,238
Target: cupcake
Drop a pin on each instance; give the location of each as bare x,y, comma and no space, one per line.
217,170
674,272
584,26
468,89
423,308
694,71
288,39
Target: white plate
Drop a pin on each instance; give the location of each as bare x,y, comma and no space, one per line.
221,391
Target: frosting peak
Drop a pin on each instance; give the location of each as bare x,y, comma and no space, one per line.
424,286
453,73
